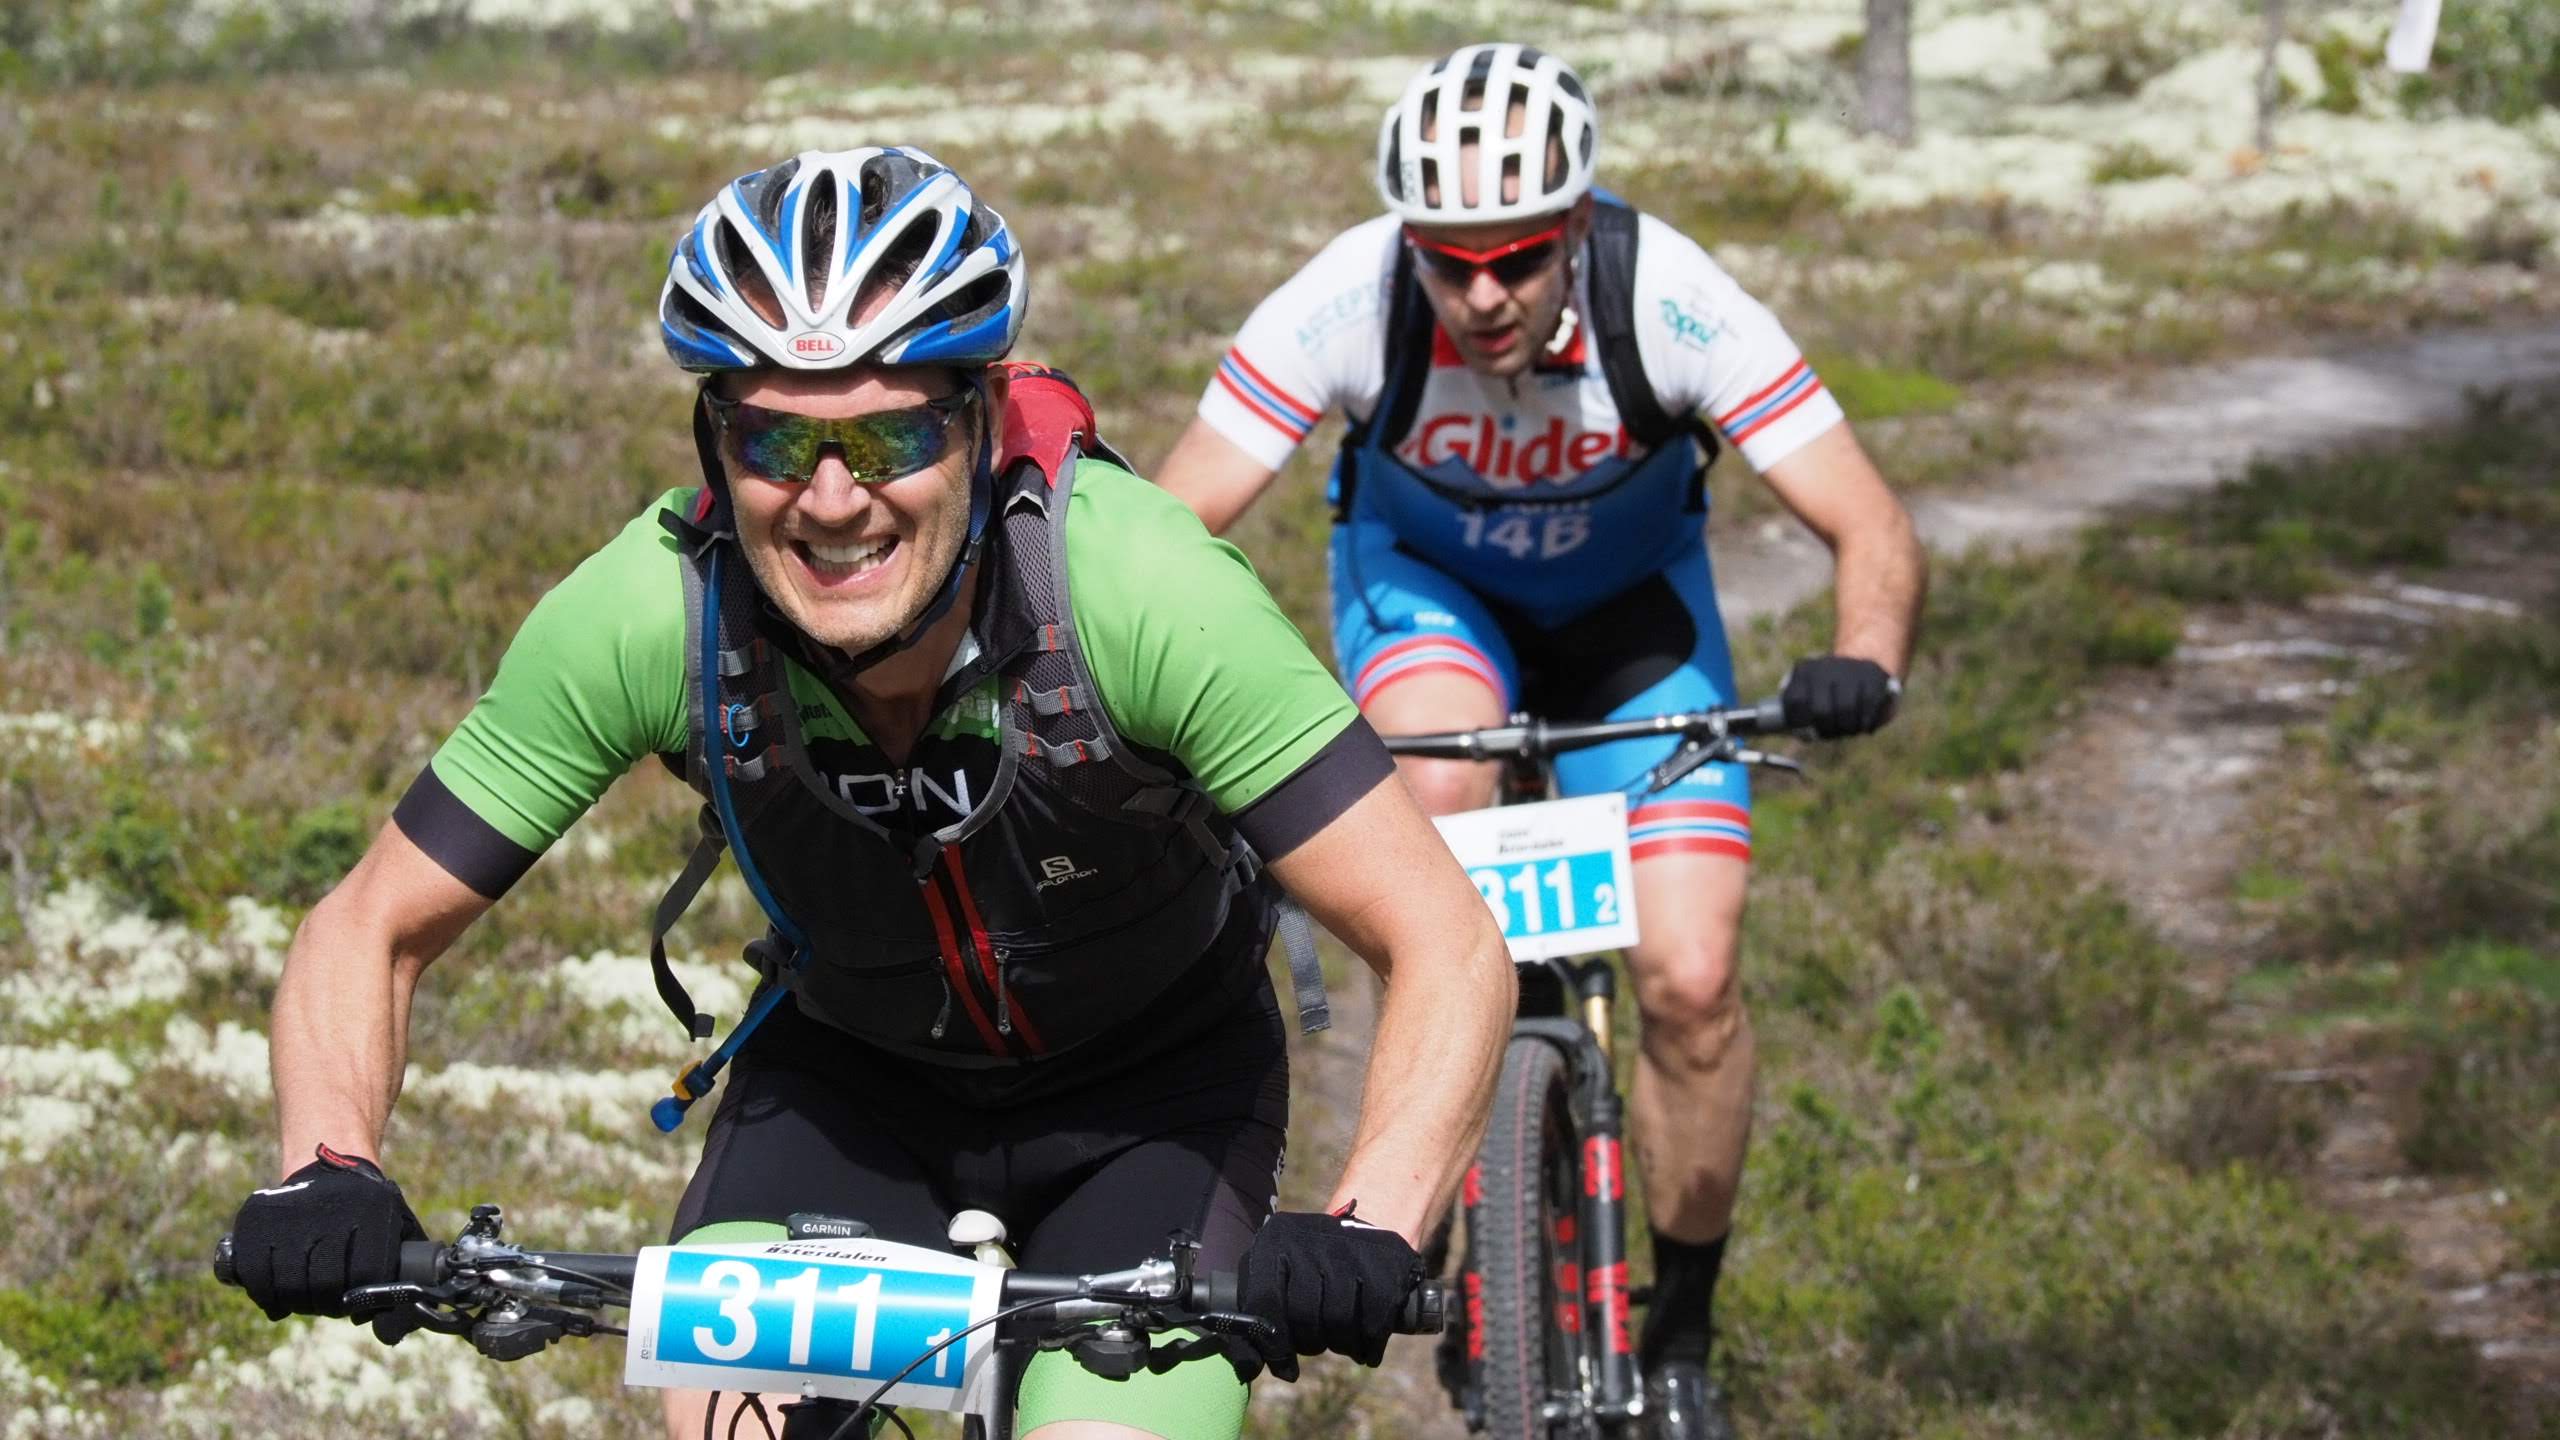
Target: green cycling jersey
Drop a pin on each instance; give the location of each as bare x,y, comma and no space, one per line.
1193,658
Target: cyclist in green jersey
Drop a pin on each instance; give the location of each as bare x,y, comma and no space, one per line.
1009,750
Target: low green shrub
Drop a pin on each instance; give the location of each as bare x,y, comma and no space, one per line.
2118,164
1883,392
2343,66
320,847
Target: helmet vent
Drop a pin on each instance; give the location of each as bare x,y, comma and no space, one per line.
977,295
897,265
875,195
739,263
690,311
817,242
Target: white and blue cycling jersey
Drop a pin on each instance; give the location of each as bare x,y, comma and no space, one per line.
1545,442
1514,533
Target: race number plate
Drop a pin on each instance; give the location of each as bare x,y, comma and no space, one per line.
824,1317
1554,873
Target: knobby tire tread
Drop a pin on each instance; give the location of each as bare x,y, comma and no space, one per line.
1506,1233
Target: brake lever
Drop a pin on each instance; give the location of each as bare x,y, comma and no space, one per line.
369,1300
434,1312
1769,760
1229,1322
1686,759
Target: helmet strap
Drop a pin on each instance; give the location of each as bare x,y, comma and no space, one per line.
716,518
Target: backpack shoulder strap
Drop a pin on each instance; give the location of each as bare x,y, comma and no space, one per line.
1053,710
1407,340
1614,229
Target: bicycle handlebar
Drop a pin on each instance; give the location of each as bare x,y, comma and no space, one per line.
573,1279
1528,739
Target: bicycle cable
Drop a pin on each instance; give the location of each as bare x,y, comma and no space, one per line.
610,1289
870,1402
754,1402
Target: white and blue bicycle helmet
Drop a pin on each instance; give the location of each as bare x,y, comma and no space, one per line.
1464,100
770,273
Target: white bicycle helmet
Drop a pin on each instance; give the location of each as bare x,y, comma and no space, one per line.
1468,97
770,271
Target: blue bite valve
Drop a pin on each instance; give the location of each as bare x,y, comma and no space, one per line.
668,1113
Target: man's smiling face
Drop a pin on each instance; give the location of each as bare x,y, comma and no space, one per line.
853,563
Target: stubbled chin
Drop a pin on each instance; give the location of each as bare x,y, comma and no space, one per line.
849,619
844,626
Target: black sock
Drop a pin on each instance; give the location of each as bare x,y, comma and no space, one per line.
1680,1322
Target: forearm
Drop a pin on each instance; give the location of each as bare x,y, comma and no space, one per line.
338,1041
1882,576
1880,572
1432,1068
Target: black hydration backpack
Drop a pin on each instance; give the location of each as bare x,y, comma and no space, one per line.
1058,752
1410,324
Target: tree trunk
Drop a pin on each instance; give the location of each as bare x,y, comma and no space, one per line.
1884,72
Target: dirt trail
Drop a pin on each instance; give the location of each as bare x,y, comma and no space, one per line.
2151,792
2155,814
2107,443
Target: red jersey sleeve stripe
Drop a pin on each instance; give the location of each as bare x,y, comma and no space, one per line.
1260,411
1772,388
1689,845
1297,409
1690,810
1765,421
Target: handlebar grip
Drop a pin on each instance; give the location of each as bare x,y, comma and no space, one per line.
1426,1310
1769,716
421,1262
1217,1290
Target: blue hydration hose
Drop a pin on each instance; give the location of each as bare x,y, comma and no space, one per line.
696,1080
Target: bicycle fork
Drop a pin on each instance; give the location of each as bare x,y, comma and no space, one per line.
1594,1233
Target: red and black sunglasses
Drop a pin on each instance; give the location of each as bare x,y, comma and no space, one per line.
1511,263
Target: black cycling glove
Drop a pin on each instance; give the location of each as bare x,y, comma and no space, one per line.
1327,1283
1838,695
298,1247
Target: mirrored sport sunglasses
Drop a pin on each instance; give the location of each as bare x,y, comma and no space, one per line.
1510,263
885,445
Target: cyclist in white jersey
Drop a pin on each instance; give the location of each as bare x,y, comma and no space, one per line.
1519,500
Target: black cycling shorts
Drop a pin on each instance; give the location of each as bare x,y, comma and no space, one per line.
1187,1138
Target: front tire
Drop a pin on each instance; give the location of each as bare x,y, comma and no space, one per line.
1524,1271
